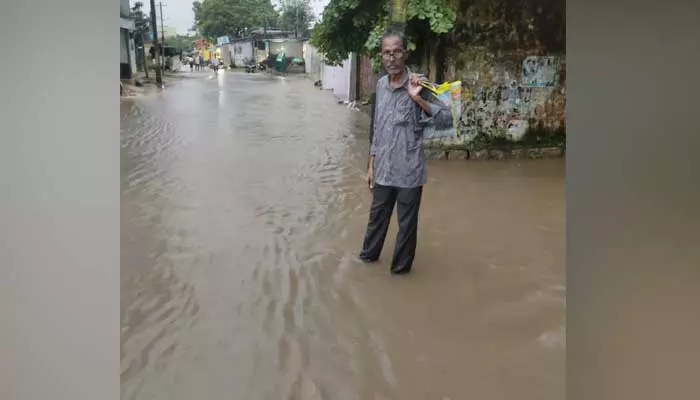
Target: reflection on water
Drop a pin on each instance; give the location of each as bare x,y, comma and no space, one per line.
242,209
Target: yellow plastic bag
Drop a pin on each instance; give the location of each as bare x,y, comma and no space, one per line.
450,93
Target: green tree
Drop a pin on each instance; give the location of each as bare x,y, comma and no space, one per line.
296,16
180,43
345,26
357,25
234,18
142,23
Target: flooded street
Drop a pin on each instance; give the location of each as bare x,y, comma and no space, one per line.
243,207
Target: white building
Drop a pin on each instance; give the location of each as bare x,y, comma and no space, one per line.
127,50
340,79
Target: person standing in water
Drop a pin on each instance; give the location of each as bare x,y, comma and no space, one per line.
396,172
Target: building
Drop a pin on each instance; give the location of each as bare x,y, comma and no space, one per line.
342,79
241,52
127,49
168,32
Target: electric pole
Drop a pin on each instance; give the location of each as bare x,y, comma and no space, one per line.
143,53
162,28
156,45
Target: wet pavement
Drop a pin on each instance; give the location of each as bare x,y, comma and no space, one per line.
243,207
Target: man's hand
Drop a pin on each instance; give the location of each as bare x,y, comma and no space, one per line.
414,86
414,90
370,178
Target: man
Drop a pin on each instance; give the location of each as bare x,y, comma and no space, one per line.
396,171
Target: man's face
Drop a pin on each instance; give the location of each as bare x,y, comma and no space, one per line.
393,55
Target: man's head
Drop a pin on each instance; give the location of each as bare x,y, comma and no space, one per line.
394,51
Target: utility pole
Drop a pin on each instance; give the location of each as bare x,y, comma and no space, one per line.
156,45
143,53
162,28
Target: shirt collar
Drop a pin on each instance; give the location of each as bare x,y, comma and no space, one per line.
404,80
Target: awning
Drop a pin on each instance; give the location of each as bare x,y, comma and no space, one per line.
128,24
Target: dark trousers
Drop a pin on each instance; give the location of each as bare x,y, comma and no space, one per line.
407,206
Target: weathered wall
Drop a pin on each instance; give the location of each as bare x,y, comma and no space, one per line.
290,47
338,79
367,81
242,53
124,9
313,61
504,95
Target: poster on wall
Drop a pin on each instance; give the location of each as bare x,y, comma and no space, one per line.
450,93
540,71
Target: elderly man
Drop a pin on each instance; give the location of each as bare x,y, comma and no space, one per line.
396,171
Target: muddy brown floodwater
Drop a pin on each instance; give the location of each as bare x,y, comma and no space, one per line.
243,207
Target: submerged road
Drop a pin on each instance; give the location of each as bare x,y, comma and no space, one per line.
243,207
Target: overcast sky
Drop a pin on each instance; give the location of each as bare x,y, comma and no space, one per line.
178,13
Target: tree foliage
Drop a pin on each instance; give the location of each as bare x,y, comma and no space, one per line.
357,25
234,18
296,16
142,22
345,26
180,43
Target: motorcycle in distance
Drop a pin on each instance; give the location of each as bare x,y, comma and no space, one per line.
253,67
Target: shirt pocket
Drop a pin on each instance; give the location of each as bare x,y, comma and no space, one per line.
404,114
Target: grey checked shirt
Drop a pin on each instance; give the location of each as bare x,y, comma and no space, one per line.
397,134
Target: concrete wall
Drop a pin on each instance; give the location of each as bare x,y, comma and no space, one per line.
124,9
367,79
338,79
292,48
502,95
132,55
125,60
313,61
127,49
123,46
507,94
242,53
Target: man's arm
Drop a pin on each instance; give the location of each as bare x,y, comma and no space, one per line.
373,107
372,144
372,147
435,110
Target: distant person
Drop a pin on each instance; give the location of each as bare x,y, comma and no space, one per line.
396,171
196,63
190,61
215,65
